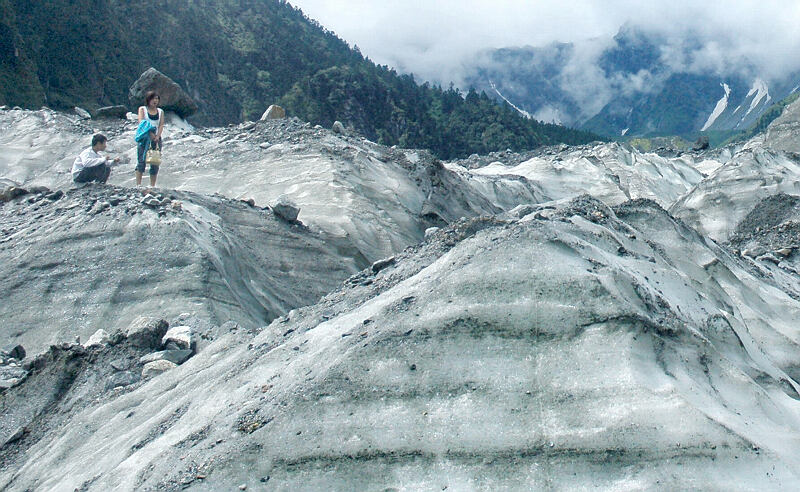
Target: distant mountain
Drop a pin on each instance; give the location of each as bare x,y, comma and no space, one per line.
626,87
236,57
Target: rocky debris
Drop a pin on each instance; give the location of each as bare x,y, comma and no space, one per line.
274,112
11,193
702,143
152,369
182,336
147,332
285,208
338,128
112,112
430,232
782,133
173,98
100,338
82,113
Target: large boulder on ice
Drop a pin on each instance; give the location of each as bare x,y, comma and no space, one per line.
173,98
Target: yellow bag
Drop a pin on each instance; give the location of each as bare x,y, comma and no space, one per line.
153,157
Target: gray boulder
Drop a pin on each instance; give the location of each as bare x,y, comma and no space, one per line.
147,332
274,112
338,127
173,98
82,113
285,208
14,351
98,339
112,112
11,193
179,335
157,367
702,143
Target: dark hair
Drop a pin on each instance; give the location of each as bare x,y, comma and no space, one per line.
149,95
98,139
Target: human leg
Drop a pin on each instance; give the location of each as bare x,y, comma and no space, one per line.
96,173
141,154
156,145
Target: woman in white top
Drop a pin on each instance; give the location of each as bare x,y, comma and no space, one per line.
152,112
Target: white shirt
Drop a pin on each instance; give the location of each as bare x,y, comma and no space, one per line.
153,122
87,158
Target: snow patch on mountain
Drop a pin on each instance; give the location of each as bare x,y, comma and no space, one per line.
722,104
504,98
760,90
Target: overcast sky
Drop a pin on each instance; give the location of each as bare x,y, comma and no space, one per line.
432,38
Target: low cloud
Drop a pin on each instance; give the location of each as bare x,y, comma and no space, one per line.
433,40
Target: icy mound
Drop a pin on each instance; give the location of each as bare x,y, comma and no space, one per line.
717,204
379,200
610,172
578,347
100,256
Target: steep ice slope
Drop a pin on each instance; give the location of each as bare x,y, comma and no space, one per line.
379,199
579,347
716,205
97,257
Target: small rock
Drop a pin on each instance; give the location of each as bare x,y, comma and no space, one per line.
174,356
265,145
99,339
249,126
122,379
55,195
119,365
242,487
382,264
14,351
338,127
785,252
285,208
147,332
274,112
430,231
180,335
754,252
15,436
769,257
117,112
11,193
157,367
82,113
250,201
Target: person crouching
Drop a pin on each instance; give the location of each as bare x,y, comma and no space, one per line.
90,165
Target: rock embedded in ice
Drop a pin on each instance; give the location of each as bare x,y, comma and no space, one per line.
157,367
82,113
182,336
14,351
98,339
147,332
285,208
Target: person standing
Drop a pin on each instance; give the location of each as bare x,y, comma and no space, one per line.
155,115
90,165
